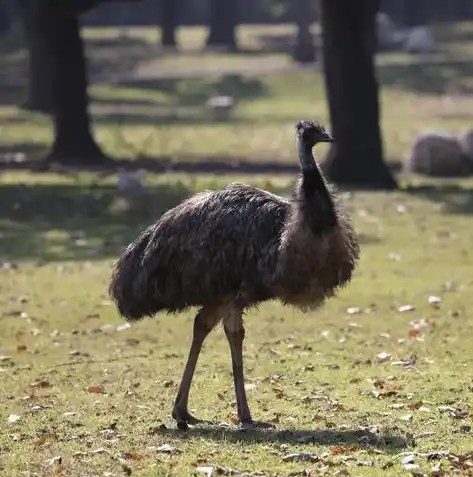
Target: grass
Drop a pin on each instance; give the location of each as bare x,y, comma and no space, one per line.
364,386
164,117
360,384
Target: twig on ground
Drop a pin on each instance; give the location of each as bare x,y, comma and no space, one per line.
95,361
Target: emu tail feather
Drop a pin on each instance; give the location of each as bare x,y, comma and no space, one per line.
130,286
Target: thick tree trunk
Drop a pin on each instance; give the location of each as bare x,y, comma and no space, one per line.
349,43
222,24
304,49
59,30
169,11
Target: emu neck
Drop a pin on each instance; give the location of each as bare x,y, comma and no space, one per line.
314,197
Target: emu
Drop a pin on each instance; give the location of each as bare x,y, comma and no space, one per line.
228,250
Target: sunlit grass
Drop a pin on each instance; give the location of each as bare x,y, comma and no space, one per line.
357,383
167,117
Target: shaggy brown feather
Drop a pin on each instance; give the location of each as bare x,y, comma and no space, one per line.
239,245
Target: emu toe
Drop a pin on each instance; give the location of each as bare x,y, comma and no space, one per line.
184,418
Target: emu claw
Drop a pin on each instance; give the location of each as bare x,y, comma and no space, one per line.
184,419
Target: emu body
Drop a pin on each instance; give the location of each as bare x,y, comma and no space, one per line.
224,251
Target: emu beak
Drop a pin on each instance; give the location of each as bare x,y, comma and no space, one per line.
325,137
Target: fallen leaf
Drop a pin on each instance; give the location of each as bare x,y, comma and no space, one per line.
453,412
12,418
4,359
96,388
207,471
41,384
56,462
423,435
132,455
414,333
354,310
434,300
405,308
408,459
300,457
407,363
344,449
437,471
44,438
167,449
383,356
411,466
415,405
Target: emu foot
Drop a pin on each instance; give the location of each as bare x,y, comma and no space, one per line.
184,419
249,425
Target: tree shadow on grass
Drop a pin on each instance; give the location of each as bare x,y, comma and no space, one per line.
389,442
194,91
282,42
15,152
430,76
454,198
48,222
56,222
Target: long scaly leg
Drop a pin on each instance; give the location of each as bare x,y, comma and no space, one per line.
235,332
204,323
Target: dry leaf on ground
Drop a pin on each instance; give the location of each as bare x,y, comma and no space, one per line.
96,388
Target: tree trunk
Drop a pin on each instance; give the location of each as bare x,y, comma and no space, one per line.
60,32
169,11
304,50
349,43
222,24
39,71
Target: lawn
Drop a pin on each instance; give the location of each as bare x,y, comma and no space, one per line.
378,382
151,102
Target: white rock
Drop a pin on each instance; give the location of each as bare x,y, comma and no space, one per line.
419,40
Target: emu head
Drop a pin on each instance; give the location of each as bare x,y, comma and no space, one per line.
310,133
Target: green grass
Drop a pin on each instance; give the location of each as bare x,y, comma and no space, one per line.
166,117
359,390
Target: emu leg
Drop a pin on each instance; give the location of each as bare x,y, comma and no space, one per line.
204,323
235,332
